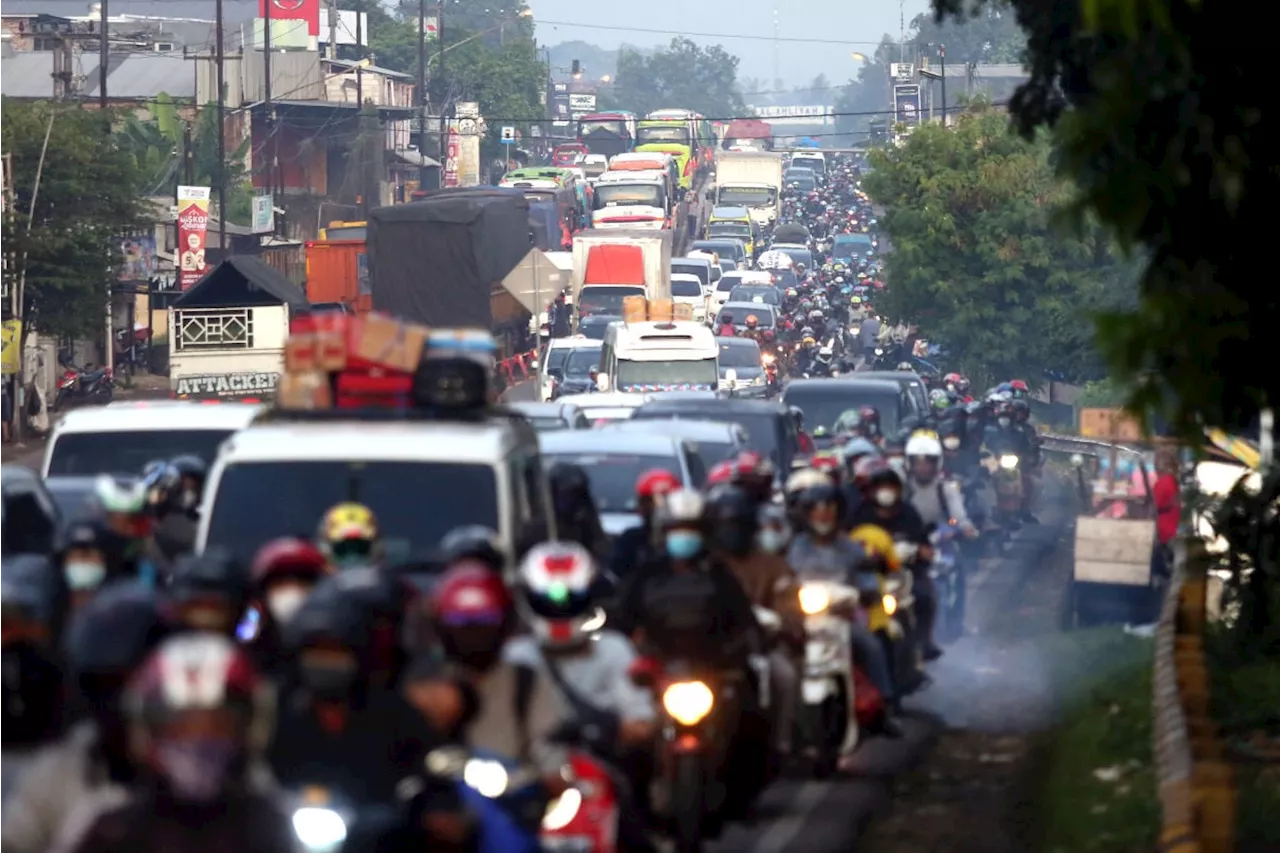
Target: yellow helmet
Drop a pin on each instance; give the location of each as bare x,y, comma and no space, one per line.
878,543
348,533
808,340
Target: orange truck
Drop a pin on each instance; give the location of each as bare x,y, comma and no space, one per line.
338,273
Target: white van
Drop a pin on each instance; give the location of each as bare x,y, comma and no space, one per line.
814,160
631,200
687,289
121,438
648,356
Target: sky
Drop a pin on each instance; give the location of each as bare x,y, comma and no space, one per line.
854,26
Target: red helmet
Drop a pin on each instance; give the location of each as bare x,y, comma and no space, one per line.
768,334
1019,385
721,472
288,557
656,482
469,592
951,379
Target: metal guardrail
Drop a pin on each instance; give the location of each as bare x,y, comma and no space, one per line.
1083,446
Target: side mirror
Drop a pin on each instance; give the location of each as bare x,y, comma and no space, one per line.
602,382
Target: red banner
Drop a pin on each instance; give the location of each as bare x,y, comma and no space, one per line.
193,229
452,153
293,10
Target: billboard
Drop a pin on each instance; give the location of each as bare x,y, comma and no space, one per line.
906,104
809,115
193,229
305,12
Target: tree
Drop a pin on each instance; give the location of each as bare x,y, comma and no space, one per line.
89,196
990,35
680,75
976,261
1160,110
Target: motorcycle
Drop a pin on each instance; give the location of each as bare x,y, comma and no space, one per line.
770,362
947,573
891,617
583,819
91,386
1006,474
826,720
506,798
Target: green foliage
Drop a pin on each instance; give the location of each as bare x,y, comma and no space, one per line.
683,74
977,261
1160,108
1102,394
88,196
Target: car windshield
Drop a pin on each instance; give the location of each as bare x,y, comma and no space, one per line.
702,272
803,183
747,196
613,125
416,503
685,287
85,454
745,354
785,278
676,133
818,166
732,248
556,357
729,228
620,195
760,310
749,292
728,283
613,475
606,299
798,256
762,429
596,327
673,374
822,407
581,361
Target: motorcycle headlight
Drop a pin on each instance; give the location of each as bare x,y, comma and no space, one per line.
562,810
879,351
489,778
688,702
890,604
814,600
1008,461
768,358
319,829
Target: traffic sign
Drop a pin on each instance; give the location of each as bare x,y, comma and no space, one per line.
508,134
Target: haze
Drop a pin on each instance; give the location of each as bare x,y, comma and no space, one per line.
858,25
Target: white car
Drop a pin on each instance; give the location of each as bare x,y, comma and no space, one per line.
554,358
729,281
687,289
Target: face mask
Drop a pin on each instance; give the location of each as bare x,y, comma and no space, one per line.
188,500
823,528
771,541
683,544
84,575
886,497
284,603
328,680
1004,422
197,770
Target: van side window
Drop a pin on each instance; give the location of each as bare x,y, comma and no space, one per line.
519,490
697,471
535,486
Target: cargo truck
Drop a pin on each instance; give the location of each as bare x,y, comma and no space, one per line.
610,265
750,179
337,273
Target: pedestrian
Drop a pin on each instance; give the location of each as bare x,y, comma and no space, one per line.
559,318
6,431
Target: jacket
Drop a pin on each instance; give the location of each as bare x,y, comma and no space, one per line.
770,582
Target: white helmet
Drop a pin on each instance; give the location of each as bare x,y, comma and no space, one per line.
806,478
682,507
556,580
923,444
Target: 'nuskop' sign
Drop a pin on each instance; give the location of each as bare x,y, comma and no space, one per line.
227,385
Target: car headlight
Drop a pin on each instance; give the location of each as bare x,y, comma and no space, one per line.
688,702
562,810
1008,461
814,600
489,778
890,604
319,829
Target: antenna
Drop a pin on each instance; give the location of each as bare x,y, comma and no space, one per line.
902,30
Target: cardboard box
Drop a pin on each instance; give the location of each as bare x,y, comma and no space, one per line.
1109,425
634,309
379,340
683,311
662,310
305,391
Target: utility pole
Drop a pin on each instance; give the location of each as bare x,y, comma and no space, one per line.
333,29
421,100
19,295
104,56
270,148
942,69
219,177
360,54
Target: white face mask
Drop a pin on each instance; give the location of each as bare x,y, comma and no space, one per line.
822,528
771,541
951,442
886,496
284,603
82,575
1004,422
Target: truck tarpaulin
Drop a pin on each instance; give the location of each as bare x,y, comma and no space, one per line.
437,261
544,222
616,263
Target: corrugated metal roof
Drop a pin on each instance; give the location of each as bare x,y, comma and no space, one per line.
233,11
145,75
30,75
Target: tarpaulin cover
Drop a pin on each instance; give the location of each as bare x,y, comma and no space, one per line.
789,232
544,222
436,261
614,263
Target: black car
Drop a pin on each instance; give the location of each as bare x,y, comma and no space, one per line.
908,379
593,326
823,401
771,432
743,357
575,373
29,517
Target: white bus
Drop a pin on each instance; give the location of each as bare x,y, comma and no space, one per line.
648,356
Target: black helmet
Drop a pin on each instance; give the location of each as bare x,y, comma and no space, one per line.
192,473
115,630
190,465
329,613
210,590
732,519
34,592
474,541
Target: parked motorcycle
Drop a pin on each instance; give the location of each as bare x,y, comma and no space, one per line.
88,386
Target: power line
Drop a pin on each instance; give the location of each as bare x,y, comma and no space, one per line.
740,36
860,113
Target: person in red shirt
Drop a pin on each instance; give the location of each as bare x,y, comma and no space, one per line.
1168,505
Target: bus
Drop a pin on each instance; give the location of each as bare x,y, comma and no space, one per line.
608,133
701,134
641,357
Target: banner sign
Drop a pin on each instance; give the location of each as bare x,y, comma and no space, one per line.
264,214
906,103
227,385
453,153
582,103
193,229
304,11
11,338
139,251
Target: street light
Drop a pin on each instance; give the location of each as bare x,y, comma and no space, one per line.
860,57
605,79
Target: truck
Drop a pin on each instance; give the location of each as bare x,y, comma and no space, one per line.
750,179
611,264
750,134
441,261
337,273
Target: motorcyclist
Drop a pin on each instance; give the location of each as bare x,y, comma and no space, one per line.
725,327
82,554
184,486
348,536
637,545
820,551
283,574
199,748
869,418
208,592
868,333
590,667
106,639
854,451
576,516
1030,452
127,516
771,584
937,499
885,507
